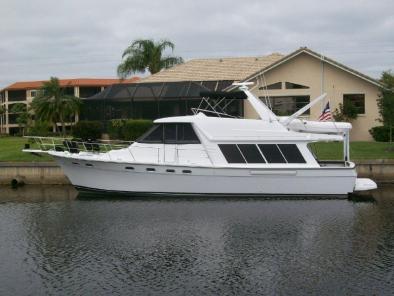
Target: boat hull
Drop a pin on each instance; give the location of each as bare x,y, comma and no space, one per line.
186,180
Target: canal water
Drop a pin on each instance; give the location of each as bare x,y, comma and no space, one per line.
53,242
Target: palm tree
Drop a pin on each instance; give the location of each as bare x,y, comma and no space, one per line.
53,105
147,55
3,110
23,118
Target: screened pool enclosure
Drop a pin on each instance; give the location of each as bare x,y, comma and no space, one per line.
152,100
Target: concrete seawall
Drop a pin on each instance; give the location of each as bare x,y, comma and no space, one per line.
49,173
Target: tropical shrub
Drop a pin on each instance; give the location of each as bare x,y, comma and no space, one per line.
381,133
128,129
346,112
87,130
133,129
40,129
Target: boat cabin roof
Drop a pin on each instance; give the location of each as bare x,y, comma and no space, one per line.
218,129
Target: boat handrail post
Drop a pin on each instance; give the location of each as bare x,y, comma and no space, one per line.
346,146
84,147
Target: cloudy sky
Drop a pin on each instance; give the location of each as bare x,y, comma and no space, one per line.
85,38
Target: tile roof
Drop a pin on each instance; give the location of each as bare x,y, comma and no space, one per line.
70,82
214,69
319,56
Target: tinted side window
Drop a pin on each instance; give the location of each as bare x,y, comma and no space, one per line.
154,135
251,153
291,153
170,133
271,153
231,153
186,134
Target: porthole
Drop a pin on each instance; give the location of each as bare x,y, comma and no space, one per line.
129,168
187,171
76,163
150,169
170,171
88,164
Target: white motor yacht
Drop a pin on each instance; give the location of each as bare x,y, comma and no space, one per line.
220,155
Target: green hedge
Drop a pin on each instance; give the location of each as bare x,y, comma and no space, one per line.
87,130
41,129
128,129
381,133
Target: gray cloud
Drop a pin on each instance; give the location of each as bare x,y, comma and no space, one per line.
86,38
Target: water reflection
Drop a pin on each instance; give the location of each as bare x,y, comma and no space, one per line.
77,245
37,193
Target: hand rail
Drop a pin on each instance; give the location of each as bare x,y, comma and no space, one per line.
75,146
54,143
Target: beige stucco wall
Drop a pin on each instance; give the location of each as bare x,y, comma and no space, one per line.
322,77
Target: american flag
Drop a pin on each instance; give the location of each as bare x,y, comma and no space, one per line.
326,114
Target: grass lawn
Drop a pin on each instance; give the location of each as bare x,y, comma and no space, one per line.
11,150
358,150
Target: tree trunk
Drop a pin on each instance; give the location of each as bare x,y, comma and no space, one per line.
391,134
63,128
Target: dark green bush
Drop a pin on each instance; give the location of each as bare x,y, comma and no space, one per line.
128,129
114,128
381,133
87,130
40,129
133,129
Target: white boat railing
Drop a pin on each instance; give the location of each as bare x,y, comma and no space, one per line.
73,145
38,144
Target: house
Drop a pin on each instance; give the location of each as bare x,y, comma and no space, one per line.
24,92
289,82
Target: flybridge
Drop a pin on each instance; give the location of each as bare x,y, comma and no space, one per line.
314,130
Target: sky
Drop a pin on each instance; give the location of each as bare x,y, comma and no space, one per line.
86,38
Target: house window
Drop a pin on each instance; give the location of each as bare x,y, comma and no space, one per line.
86,92
291,85
16,95
33,93
288,105
277,85
358,101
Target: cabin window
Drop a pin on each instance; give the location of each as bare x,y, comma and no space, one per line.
357,100
232,153
272,153
186,134
251,153
171,133
154,135
291,153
